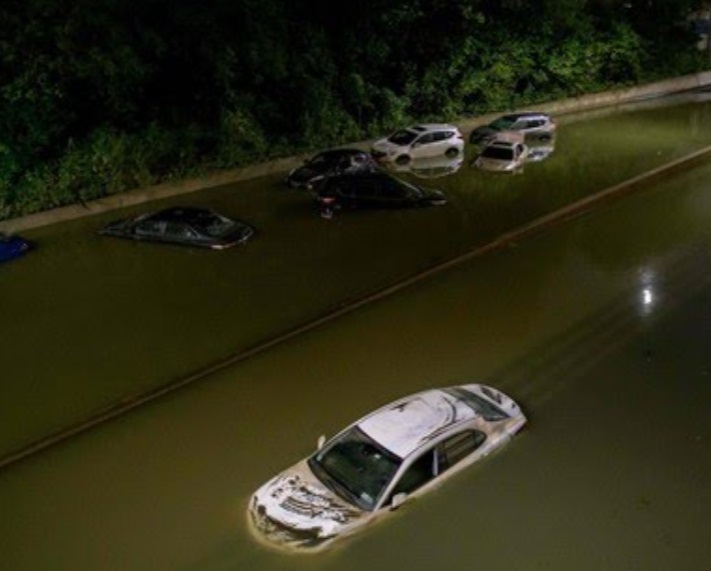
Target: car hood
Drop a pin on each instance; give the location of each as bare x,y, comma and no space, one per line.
295,510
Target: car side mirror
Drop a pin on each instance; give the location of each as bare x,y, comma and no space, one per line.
320,442
398,500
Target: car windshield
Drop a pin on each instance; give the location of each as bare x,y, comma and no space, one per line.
481,406
503,123
355,467
323,159
499,153
403,137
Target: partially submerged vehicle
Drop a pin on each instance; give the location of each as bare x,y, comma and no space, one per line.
505,154
329,163
12,246
532,124
189,226
381,462
375,189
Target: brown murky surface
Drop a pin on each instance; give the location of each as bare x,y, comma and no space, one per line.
599,328
91,320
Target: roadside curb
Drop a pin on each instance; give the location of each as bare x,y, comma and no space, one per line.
176,188
506,239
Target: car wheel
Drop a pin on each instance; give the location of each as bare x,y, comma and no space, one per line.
451,153
402,159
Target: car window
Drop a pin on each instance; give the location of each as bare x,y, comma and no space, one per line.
503,123
498,153
426,138
150,228
480,405
417,475
179,231
403,137
457,448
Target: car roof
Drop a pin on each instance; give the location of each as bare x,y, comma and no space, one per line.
422,127
183,214
406,424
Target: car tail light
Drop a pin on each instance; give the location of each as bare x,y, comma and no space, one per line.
327,200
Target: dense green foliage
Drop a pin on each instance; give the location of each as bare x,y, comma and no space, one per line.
101,96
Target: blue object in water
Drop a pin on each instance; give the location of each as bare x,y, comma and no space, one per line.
12,247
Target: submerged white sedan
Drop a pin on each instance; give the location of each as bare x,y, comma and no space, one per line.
398,452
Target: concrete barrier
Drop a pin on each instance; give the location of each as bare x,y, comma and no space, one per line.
174,188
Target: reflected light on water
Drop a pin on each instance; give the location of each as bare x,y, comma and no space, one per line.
648,297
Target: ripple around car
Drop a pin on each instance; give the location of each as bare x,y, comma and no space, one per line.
419,141
12,247
189,226
375,465
329,163
373,189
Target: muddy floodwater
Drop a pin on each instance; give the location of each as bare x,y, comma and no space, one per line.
599,328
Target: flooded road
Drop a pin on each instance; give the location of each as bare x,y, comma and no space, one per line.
599,328
90,321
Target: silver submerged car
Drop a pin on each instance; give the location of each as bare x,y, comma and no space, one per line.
379,462
502,156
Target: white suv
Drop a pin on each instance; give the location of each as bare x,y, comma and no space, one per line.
419,141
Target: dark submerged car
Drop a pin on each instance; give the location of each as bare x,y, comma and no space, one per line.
12,247
329,163
188,226
376,189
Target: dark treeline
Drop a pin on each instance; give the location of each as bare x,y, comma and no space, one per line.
99,96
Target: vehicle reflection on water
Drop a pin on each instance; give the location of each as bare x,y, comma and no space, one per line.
430,167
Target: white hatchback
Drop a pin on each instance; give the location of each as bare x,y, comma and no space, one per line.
419,141
381,461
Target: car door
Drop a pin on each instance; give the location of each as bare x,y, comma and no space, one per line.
424,146
435,462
